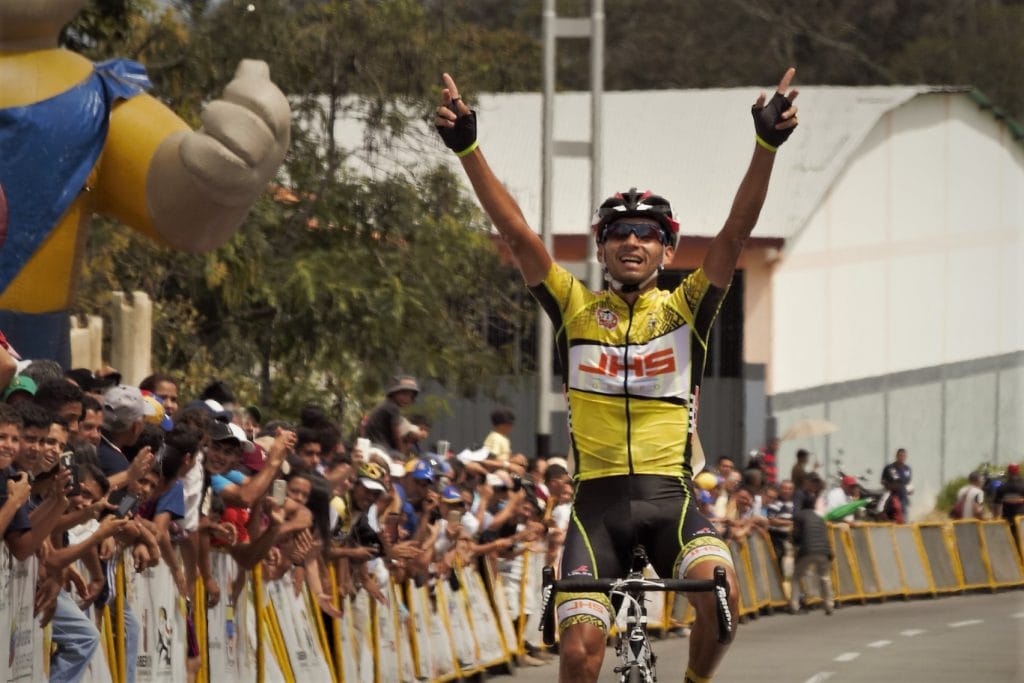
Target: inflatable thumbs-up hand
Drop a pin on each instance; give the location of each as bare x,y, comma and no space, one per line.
243,138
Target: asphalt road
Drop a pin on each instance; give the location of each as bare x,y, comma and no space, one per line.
960,639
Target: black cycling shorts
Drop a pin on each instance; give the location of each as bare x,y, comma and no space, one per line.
611,516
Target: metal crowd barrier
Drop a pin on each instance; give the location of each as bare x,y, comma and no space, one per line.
451,628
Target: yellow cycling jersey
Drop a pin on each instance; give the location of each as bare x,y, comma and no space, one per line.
631,374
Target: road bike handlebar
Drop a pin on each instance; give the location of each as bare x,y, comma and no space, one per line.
626,585
718,585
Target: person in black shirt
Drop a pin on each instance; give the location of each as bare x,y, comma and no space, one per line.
1009,499
813,555
383,424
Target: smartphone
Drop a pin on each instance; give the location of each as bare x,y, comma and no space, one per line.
454,517
363,445
279,491
126,506
67,461
443,447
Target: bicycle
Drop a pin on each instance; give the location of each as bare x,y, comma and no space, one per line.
633,646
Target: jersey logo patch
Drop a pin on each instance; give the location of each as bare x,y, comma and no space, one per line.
607,319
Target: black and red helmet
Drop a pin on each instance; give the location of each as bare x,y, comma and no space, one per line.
635,204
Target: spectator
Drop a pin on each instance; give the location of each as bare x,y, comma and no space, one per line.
1009,499
848,489
780,520
892,506
970,499
20,389
165,388
497,441
123,421
62,399
91,421
898,474
799,472
812,488
743,518
766,461
382,424
813,556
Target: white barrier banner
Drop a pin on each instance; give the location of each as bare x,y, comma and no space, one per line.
389,651
462,636
349,664
231,628
363,636
154,600
298,630
24,643
508,627
419,607
442,649
485,623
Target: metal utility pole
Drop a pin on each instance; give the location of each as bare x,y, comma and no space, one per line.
555,27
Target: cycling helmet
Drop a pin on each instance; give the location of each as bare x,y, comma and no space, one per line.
634,204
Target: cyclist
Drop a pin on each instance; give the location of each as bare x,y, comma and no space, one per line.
632,358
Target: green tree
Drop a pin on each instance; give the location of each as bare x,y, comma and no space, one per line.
341,277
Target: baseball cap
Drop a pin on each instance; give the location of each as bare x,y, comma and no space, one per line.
212,408
225,431
849,480
421,469
403,383
20,383
1013,468
451,494
154,412
371,476
123,405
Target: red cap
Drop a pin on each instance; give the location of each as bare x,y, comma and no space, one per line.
1013,468
849,481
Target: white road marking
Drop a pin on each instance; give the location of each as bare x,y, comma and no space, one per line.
968,622
880,643
820,676
847,657
1018,615
911,632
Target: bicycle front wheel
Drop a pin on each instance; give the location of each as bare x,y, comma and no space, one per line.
634,675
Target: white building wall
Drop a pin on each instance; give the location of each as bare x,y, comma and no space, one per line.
913,259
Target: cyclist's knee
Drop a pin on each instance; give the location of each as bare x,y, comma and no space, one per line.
583,622
581,650
706,602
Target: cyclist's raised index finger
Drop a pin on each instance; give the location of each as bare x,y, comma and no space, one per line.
786,78
449,84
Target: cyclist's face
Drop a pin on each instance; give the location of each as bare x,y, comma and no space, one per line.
633,257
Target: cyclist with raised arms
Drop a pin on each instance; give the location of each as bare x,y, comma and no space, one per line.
632,357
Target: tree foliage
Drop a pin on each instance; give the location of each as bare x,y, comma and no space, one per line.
344,275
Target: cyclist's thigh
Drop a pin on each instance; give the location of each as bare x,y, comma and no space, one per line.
684,539
590,551
595,545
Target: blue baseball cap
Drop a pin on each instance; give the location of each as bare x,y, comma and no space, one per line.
422,470
451,494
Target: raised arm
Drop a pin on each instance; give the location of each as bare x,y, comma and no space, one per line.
458,130
773,123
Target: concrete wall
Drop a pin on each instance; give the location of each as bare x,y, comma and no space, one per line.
915,256
950,419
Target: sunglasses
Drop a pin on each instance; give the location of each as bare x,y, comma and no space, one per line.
621,230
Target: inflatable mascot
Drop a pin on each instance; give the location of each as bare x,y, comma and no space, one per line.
78,138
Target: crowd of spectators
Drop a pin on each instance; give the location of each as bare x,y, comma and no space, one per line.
94,467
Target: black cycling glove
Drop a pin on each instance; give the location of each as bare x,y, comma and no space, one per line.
462,138
766,118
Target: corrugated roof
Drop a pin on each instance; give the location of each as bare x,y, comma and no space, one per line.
691,146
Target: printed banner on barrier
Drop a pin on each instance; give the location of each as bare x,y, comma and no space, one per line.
154,601
230,630
297,630
23,640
